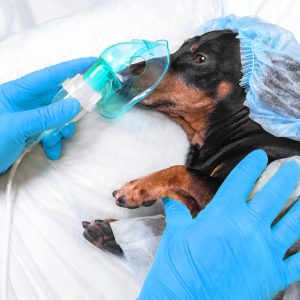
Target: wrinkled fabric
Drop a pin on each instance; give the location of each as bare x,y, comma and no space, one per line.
270,57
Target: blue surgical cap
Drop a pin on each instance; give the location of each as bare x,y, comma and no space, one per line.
270,57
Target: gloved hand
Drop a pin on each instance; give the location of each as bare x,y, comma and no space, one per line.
25,111
230,251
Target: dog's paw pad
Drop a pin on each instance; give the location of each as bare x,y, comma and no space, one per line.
100,234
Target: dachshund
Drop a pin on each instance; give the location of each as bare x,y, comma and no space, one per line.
202,93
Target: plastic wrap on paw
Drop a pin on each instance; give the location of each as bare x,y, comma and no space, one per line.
139,239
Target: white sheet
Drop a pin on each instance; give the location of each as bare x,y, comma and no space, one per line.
50,259
16,15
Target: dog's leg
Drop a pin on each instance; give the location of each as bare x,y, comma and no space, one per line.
190,186
187,185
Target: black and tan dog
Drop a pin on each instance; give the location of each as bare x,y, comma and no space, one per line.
201,92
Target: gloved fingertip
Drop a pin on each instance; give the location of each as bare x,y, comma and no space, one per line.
51,140
53,153
69,130
258,155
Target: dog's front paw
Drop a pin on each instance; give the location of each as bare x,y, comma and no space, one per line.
100,234
135,193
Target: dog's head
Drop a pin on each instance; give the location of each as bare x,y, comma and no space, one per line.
204,71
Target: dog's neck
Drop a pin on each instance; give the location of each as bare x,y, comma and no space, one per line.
229,121
195,126
217,124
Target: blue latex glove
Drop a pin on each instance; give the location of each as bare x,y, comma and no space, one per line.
230,251
25,111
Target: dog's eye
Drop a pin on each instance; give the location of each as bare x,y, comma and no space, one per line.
199,59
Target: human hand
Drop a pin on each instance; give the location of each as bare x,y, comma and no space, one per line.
230,250
25,110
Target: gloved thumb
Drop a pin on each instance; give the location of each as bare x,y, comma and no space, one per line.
34,122
177,214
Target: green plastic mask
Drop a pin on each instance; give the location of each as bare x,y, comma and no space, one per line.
126,73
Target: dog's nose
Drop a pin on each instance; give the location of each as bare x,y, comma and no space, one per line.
121,201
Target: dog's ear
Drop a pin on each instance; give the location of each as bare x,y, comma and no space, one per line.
85,224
